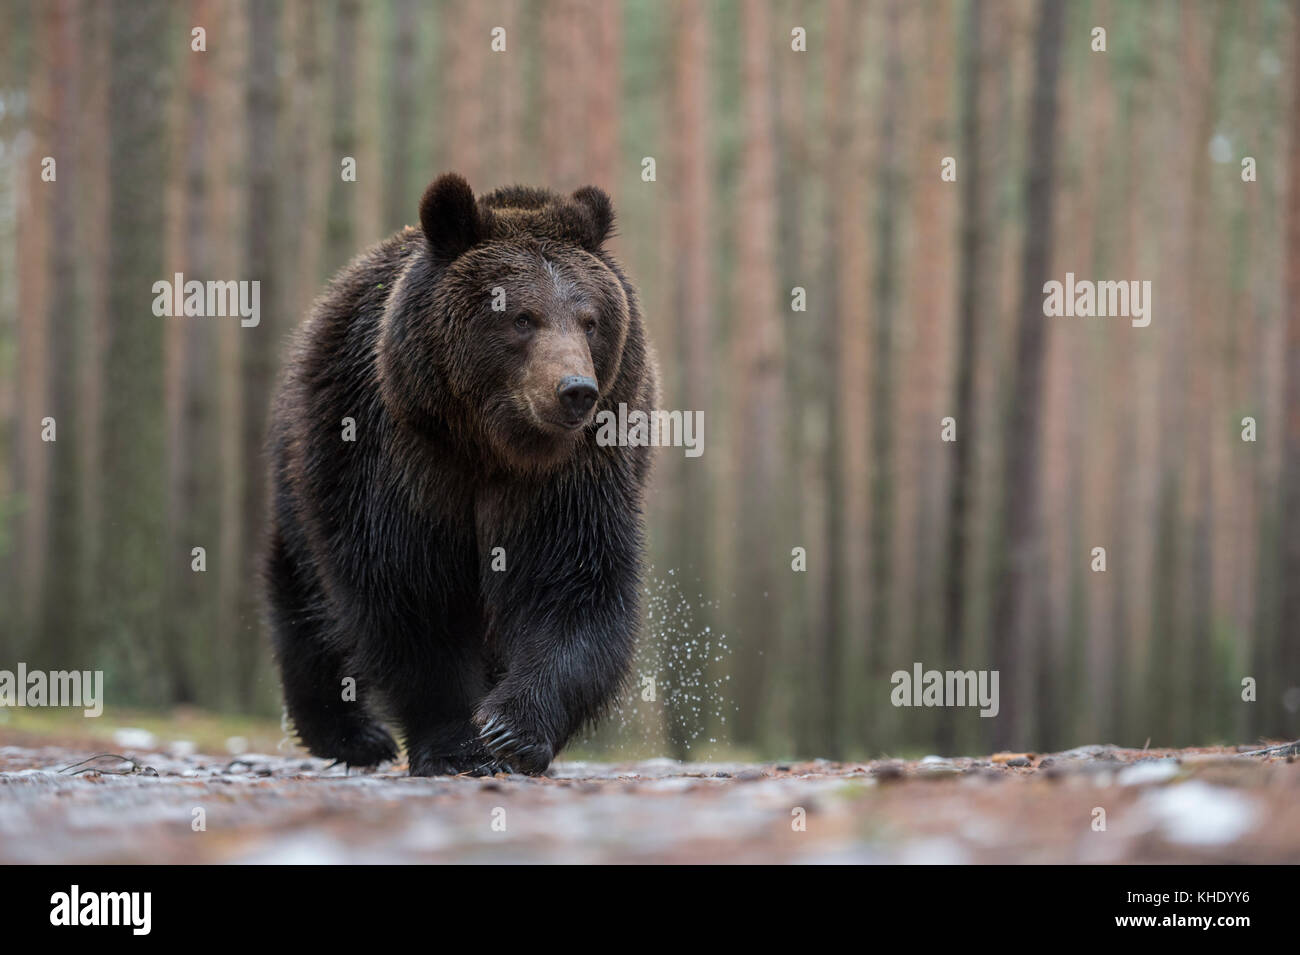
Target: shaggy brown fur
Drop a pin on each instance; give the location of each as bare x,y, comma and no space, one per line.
473,432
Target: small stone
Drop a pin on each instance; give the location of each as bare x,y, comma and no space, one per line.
1148,771
937,770
1009,758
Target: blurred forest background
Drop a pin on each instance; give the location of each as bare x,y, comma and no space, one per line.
775,169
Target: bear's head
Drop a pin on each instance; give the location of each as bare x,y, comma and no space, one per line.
508,324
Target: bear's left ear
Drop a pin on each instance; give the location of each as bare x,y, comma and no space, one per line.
597,214
450,217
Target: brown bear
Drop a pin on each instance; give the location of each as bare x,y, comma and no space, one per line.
451,550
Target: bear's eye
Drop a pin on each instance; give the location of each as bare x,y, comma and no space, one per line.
523,321
589,326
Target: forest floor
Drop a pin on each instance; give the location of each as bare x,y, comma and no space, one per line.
1093,804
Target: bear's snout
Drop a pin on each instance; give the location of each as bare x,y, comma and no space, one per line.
559,377
577,395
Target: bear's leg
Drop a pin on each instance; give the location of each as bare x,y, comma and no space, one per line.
435,706
448,749
558,677
565,617
312,673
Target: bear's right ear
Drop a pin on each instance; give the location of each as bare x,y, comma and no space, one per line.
450,217
598,216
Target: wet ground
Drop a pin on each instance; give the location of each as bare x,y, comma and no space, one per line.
1095,804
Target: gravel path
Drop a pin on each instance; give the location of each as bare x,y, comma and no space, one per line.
1094,804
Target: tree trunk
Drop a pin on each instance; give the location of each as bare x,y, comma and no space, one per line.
1013,649
401,192
260,343
692,191
192,464
340,241
957,550
62,603
758,385
881,466
842,265
1285,679
132,555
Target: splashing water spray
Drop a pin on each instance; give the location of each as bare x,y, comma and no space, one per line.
676,702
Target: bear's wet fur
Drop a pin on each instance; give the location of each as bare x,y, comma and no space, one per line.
466,354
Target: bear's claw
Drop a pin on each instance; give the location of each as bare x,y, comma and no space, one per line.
496,736
456,766
509,749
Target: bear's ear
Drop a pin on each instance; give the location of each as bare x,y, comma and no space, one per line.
598,215
450,217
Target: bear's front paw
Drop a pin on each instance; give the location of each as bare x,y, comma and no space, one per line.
457,765
452,750
360,743
515,747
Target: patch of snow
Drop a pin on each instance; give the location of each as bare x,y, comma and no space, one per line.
1199,814
934,852
300,849
982,832
130,737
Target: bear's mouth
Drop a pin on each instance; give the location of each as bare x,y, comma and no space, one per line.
565,425
557,424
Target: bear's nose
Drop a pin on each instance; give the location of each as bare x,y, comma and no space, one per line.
577,394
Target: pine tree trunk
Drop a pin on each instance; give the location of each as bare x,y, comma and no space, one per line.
757,385
132,555
259,344
1013,649
60,636
1287,638
692,193
957,575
